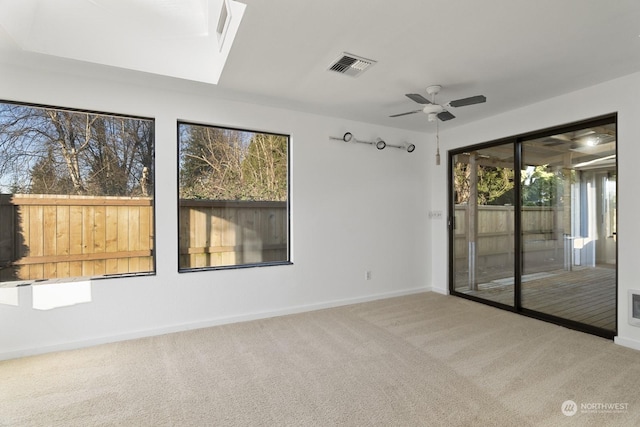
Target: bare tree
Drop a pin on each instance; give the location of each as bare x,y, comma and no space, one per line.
265,167
210,166
223,164
43,150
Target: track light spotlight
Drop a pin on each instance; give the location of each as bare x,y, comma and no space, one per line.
380,144
404,146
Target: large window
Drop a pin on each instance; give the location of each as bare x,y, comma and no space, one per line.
233,191
76,194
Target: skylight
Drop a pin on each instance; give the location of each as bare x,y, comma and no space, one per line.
177,38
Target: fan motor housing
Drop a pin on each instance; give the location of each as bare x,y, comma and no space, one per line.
432,109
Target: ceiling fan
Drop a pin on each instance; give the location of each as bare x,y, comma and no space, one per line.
440,111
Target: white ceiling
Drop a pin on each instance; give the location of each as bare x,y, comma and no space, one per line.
515,52
131,34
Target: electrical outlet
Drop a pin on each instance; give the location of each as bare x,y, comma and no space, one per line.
367,275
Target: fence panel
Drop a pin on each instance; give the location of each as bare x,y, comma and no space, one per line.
50,236
542,233
220,233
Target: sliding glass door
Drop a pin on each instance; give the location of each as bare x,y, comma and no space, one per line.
533,225
484,246
568,225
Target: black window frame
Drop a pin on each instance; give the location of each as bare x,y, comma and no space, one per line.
153,228
288,260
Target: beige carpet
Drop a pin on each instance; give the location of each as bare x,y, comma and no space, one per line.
421,360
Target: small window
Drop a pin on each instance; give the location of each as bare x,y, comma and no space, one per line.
76,194
233,197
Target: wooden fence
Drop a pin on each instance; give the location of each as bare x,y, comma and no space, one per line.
221,233
48,236
542,235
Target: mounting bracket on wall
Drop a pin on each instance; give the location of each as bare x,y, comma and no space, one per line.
379,143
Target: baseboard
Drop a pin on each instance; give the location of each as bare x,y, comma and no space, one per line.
626,342
15,354
442,291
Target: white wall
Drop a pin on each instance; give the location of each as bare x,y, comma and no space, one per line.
353,209
621,96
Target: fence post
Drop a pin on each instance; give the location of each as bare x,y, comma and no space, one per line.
568,252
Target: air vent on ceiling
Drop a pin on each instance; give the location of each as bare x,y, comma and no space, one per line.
350,65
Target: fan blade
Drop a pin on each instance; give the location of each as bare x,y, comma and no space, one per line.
416,97
404,114
445,115
478,99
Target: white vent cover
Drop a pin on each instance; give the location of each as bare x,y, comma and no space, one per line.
350,65
634,307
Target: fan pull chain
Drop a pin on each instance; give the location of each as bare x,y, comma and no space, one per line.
437,145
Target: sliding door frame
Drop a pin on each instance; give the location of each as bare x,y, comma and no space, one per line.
517,142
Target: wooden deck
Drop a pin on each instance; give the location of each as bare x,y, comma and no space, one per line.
585,294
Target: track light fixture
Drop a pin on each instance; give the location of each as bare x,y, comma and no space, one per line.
379,143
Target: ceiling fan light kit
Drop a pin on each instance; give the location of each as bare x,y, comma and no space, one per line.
379,143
